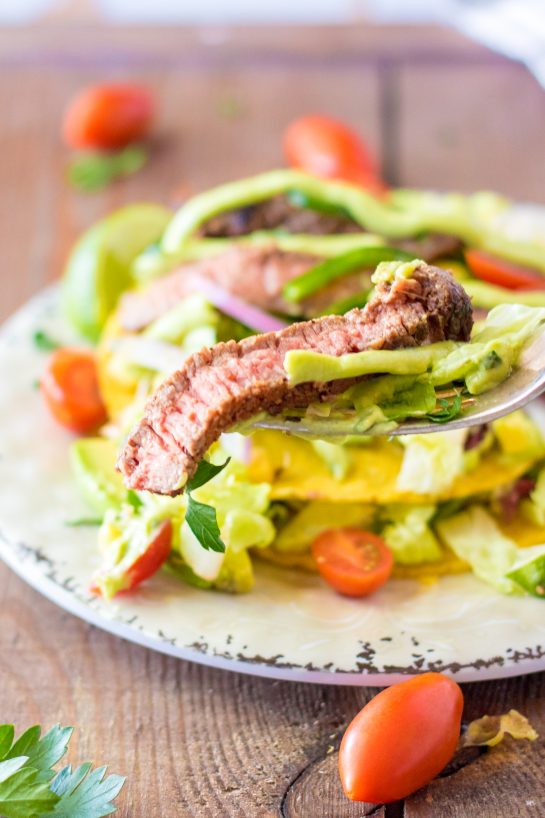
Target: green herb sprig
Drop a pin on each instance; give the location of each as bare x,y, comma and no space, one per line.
30,787
200,517
44,342
93,171
448,410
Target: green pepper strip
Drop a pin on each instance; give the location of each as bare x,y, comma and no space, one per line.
299,199
366,210
487,296
322,274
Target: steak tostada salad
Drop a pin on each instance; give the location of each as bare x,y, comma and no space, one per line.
300,298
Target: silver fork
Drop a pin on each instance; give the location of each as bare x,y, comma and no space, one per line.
525,383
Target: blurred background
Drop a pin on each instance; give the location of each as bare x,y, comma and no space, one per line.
446,94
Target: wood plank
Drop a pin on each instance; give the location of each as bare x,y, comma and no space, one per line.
469,128
192,740
272,44
508,779
197,143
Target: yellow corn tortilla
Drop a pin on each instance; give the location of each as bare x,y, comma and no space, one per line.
296,472
116,392
448,564
523,532
520,530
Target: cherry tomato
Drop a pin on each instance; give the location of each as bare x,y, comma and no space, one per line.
107,117
153,557
69,385
352,561
503,273
327,148
401,739
148,563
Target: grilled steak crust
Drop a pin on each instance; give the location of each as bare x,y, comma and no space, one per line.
278,212
231,382
274,213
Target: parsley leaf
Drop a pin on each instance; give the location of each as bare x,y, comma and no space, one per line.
205,472
447,410
43,753
133,499
26,770
44,342
200,517
202,520
22,795
84,793
82,522
93,171
7,734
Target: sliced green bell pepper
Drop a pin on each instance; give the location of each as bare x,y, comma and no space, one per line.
332,269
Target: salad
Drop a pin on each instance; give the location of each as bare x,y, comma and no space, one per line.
152,290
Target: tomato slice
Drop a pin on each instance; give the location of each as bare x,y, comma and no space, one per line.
503,273
108,116
69,385
401,739
327,148
146,565
153,557
352,561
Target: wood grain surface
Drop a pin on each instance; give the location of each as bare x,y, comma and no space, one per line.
441,112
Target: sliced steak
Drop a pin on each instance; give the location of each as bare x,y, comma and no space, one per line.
277,213
256,274
231,382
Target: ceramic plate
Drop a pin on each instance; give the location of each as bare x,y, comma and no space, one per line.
290,627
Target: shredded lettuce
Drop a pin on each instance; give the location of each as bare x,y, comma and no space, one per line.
431,463
318,516
193,312
408,534
242,514
123,537
336,457
474,537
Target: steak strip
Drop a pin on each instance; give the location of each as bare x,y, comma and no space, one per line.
255,274
232,382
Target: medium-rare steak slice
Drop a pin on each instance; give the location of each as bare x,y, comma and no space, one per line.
255,274
231,382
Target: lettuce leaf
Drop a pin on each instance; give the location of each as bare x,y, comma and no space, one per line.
408,534
431,463
317,516
474,536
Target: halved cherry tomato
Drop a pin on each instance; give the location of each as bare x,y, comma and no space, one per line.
107,116
148,563
153,557
327,148
401,739
352,561
69,385
503,273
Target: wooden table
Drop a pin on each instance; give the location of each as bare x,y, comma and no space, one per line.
441,112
